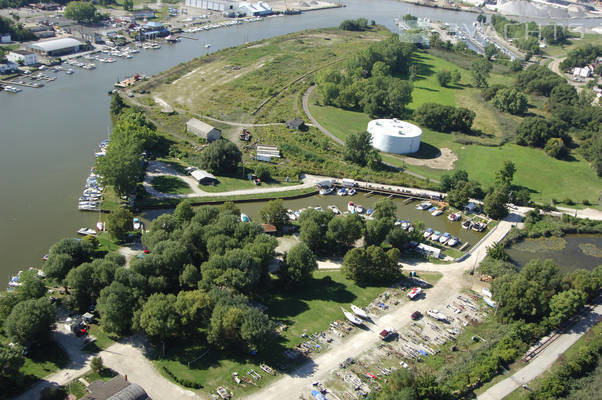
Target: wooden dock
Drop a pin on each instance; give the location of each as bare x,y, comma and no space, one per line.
30,85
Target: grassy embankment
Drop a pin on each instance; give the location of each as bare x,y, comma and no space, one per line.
170,185
306,310
231,84
480,155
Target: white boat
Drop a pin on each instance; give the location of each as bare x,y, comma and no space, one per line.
414,292
437,212
291,215
352,318
351,207
86,231
424,205
244,218
207,45
351,192
100,226
359,209
342,192
467,224
435,236
136,223
489,302
87,207
326,190
479,226
359,311
444,238
405,225
455,216
452,241
334,209
428,233
434,313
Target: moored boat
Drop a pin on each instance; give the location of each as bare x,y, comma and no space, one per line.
244,218
467,224
452,241
136,223
428,233
351,207
342,192
359,209
326,191
435,236
437,212
334,209
351,192
455,216
436,314
479,226
424,205
444,238
86,231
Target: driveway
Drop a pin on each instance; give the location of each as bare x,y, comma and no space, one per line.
544,360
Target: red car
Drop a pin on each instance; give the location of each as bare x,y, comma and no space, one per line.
416,315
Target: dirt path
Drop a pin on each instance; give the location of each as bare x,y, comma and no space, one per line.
453,281
544,360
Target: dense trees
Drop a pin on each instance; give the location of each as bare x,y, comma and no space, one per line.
538,79
81,11
581,56
158,317
536,131
300,262
369,81
494,203
116,307
511,100
360,24
480,69
459,189
220,156
65,255
371,265
445,118
17,32
565,305
324,233
31,320
359,150
119,223
556,148
11,359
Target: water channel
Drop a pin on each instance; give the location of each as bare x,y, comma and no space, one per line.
569,252
48,135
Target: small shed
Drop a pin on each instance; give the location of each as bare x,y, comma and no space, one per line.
266,153
470,208
204,177
88,317
296,124
203,130
269,229
429,250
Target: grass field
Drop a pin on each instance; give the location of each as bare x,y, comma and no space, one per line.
170,185
554,179
227,183
309,309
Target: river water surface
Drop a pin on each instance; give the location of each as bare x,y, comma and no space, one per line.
48,135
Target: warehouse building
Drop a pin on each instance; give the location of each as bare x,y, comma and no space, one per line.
394,136
203,130
57,47
204,177
213,5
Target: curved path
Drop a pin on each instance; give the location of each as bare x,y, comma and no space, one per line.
544,360
449,286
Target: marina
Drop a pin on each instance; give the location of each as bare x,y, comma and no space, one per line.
72,113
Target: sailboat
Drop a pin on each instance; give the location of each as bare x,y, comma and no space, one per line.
359,311
352,318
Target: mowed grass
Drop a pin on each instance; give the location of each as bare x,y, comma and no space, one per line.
228,183
170,185
308,309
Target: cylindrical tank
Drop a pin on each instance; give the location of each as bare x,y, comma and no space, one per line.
394,136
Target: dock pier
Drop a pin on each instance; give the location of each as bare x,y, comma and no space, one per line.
30,85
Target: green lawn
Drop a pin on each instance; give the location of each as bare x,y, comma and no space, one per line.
308,309
170,185
102,341
228,183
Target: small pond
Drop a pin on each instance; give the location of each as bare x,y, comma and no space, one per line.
569,252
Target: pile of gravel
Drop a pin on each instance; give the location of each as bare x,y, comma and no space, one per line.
527,9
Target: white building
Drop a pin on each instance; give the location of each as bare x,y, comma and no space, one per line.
57,47
394,136
8,67
213,5
5,38
266,153
255,9
203,130
22,56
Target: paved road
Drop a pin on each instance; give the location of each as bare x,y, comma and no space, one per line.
544,360
127,358
451,284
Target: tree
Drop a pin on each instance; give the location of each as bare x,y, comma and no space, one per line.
498,252
398,238
32,287
80,11
490,51
556,148
117,104
128,5
481,18
377,231
371,265
158,317
444,77
516,65
358,148
115,306
274,213
31,320
445,118
505,175
456,76
300,262
119,223
343,232
96,364
480,72
585,281
385,209
11,360
536,131
565,305
220,156
121,166
184,211
494,203
263,172
459,195
511,100
192,306
190,277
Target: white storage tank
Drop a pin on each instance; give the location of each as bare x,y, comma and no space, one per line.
394,136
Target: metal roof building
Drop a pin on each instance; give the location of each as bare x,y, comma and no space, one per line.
204,177
203,130
57,47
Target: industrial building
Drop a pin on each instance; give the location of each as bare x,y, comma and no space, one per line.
203,130
213,5
22,57
57,47
258,9
394,136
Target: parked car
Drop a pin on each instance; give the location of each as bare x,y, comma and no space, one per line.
416,315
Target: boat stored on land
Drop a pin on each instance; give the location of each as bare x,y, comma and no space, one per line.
359,311
351,317
436,314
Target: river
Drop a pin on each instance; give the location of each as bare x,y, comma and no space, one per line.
48,135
